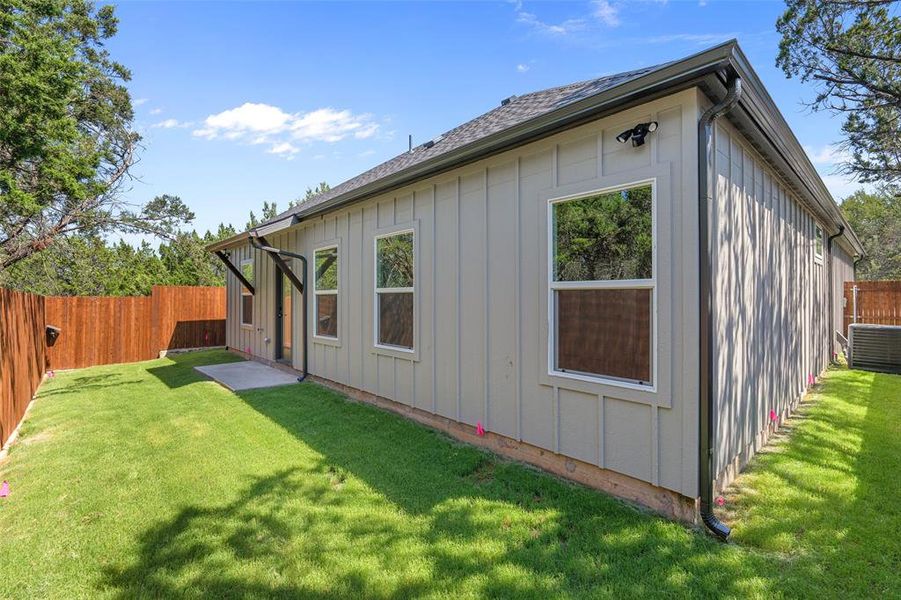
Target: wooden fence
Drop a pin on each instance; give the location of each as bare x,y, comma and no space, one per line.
97,331
23,358
877,302
109,330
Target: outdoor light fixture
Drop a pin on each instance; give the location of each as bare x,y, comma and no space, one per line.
637,133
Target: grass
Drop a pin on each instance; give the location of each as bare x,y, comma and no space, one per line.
143,480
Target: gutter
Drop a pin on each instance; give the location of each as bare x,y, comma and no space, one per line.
276,254
705,214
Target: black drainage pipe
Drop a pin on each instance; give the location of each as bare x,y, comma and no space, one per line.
830,279
276,254
705,275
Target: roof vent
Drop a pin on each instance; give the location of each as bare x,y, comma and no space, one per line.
432,142
507,101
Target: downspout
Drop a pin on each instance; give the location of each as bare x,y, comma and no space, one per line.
705,214
856,262
829,275
276,254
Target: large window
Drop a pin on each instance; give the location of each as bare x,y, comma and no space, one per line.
246,295
602,285
394,269
325,285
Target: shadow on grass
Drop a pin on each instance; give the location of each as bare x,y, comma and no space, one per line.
393,510
826,494
78,385
181,370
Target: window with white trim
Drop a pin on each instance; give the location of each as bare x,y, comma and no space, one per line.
394,289
818,244
602,285
246,294
325,290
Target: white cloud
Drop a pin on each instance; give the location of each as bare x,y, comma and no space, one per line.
522,68
827,155
366,153
156,111
245,119
842,186
139,101
285,149
606,13
257,123
172,124
559,29
702,39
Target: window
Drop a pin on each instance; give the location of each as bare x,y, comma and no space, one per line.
818,244
602,285
394,268
246,295
325,286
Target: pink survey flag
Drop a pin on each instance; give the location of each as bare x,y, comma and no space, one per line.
479,429
4,489
772,415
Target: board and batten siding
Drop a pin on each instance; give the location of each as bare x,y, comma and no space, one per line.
771,299
481,297
842,271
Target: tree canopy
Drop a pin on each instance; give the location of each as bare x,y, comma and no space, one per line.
851,50
876,219
66,136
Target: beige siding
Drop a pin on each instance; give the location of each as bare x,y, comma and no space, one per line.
771,306
481,298
842,271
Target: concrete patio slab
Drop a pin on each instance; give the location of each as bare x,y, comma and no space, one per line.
246,375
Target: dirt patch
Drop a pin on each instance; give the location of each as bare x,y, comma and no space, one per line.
37,438
483,473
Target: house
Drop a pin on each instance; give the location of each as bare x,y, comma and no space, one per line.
625,281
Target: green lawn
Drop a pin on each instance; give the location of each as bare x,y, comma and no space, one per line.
144,480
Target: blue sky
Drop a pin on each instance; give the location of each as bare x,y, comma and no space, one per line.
244,102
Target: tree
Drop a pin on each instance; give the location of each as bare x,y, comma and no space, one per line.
270,210
85,265
851,49
187,261
876,219
66,137
311,193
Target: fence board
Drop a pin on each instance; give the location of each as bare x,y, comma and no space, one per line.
878,302
22,355
189,317
109,330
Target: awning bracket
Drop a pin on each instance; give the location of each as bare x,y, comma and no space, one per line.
235,271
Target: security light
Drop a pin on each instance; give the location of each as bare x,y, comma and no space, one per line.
624,136
637,133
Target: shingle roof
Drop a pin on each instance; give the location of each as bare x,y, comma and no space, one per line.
512,112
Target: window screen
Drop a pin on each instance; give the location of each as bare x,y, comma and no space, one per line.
394,280
246,296
818,244
326,291
602,285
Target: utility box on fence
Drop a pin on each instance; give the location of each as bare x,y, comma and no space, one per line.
875,347
51,333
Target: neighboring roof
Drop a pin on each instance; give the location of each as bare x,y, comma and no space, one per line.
521,118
